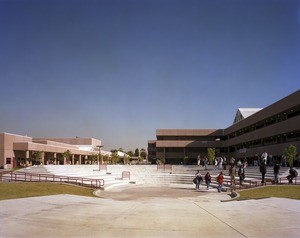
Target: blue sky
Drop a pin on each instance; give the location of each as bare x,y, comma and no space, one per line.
117,70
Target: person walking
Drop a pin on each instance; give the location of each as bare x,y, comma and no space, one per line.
241,173
225,161
232,173
220,163
207,180
205,163
263,169
276,169
264,158
220,180
198,160
216,163
198,178
255,160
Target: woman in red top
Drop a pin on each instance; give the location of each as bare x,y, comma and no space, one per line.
220,180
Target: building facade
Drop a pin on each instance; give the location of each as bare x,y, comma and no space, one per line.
18,150
271,129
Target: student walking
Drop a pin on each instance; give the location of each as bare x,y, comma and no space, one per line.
220,180
263,167
232,173
207,180
205,163
241,173
216,163
197,180
276,169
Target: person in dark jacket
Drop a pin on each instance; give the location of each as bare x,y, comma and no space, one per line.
198,178
207,180
263,169
276,169
293,174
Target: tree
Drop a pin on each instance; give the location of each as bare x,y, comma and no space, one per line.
140,160
126,159
290,152
36,156
211,153
130,153
67,154
160,161
136,152
115,158
143,154
106,158
94,158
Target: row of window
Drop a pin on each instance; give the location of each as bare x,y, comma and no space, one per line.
289,137
293,112
188,138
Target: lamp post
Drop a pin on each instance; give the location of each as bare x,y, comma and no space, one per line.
100,146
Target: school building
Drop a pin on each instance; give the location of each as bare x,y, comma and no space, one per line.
254,131
18,150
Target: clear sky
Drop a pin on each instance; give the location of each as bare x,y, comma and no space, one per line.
117,70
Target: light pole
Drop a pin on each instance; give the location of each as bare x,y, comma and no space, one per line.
100,146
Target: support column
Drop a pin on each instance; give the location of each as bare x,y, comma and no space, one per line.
85,158
55,157
43,158
73,156
27,157
79,159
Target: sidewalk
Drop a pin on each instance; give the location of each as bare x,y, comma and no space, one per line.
135,211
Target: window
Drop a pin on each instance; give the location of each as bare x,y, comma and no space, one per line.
8,160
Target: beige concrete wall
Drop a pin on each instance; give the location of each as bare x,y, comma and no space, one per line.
7,141
11,144
73,141
54,143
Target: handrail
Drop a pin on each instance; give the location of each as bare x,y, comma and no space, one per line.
31,177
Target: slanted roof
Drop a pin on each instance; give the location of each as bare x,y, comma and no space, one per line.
243,113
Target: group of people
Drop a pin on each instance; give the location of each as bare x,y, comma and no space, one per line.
220,163
276,168
198,179
241,165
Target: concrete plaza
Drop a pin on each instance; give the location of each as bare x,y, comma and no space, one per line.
144,211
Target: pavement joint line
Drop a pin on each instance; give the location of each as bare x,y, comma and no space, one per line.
220,220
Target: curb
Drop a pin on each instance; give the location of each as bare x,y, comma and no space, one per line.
234,195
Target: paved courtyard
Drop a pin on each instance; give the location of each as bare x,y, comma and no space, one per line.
142,211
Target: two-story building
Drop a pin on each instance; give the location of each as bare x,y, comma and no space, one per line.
254,130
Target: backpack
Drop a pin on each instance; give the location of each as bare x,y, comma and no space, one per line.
295,173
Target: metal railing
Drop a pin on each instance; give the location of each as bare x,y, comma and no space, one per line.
31,177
